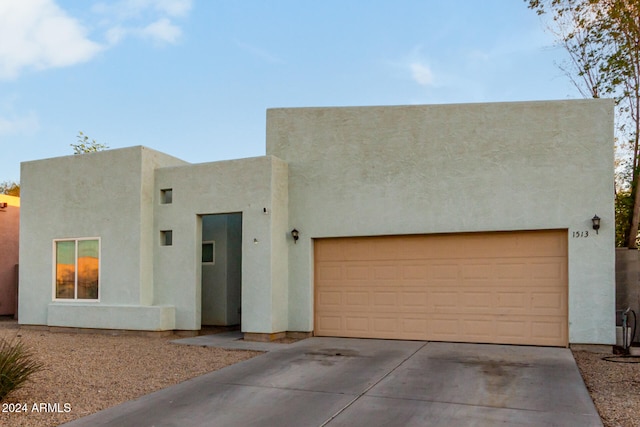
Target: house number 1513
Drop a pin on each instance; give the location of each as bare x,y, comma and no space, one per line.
578,234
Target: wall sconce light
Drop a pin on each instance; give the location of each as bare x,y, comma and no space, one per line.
265,211
596,223
295,234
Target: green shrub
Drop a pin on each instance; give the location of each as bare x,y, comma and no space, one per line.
17,364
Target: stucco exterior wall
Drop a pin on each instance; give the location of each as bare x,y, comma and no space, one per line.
367,171
245,186
9,247
102,195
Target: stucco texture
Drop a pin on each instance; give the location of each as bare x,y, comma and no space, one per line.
366,171
328,172
107,195
246,186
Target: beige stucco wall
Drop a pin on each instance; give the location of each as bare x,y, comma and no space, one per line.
9,239
362,171
247,186
107,195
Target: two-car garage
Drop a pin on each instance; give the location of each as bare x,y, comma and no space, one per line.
496,287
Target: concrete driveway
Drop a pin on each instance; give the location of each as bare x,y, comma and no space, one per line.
358,382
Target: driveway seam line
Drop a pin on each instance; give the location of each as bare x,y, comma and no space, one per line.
365,391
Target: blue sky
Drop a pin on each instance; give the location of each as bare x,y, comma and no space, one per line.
193,78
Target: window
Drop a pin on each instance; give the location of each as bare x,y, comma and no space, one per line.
166,196
209,252
166,237
77,263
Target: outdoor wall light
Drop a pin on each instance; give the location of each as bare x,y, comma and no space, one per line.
3,205
295,234
596,223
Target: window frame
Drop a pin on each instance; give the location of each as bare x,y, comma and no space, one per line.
75,286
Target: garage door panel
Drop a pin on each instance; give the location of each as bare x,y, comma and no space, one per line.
514,329
385,272
549,303
473,271
474,300
385,299
329,271
506,287
330,324
357,270
409,299
385,325
357,324
511,270
328,299
549,329
413,272
551,269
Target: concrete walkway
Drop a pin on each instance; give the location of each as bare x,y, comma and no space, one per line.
353,382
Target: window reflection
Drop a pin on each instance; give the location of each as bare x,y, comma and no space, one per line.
88,269
77,269
65,269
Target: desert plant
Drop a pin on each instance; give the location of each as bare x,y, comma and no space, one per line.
17,364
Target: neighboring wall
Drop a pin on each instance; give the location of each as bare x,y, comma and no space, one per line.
9,238
107,195
361,171
628,282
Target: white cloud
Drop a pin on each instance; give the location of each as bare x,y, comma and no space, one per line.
129,9
15,124
416,65
130,18
115,35
174,7
38,34
421,73
162,30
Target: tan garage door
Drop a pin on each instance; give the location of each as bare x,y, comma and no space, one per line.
503,287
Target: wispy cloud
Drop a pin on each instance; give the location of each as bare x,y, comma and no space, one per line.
162,30
418,68
421,73
129,9
148,19
258,52
19,124
38,34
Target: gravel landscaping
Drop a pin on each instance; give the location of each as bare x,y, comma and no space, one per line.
614,387
91,372
86,373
